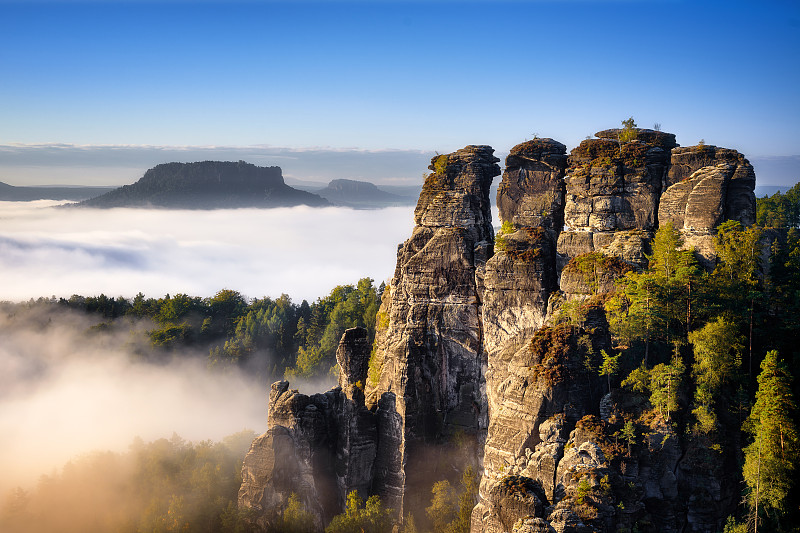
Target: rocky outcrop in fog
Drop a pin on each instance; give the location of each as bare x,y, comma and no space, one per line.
471,341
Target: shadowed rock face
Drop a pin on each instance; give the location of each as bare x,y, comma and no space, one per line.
319,447
424,382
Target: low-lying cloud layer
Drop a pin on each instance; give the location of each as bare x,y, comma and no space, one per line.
302,252
66,391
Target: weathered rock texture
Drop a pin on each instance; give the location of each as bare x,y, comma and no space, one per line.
612,188
429,341
706,186
319,447
532,190
500,343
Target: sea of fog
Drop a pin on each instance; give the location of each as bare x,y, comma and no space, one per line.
300,251
63,393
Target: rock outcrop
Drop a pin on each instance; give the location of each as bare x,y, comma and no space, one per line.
497,342
532,190
429,342
612,194
319,447
706,186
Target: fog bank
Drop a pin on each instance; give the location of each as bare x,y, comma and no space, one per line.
66,390
300,251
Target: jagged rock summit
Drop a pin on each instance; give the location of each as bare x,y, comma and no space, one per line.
207,185
472,363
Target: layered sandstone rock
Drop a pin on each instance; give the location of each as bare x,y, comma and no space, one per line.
429,340
532,191
538,387
500,343
614,187
707,186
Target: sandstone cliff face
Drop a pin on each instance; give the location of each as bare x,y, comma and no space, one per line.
551,460
500,342
429,341
423,383
532,191
612,194
706,186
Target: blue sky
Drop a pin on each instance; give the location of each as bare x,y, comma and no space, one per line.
398,75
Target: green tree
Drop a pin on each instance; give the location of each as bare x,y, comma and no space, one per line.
780,211
450,510
665,381
770,459
717,357
628,435
443,507
666,255
294,519
628,132
638,380
346,307
224,309
609,367
361,517
738,272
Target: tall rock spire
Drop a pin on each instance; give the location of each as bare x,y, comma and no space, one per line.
429,355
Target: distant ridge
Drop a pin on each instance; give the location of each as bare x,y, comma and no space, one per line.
12,193
363,194
208,185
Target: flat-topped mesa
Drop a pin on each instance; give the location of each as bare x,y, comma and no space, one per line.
429,340
612,187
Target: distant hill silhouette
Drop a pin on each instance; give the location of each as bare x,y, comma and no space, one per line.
207,185
12,193
362,194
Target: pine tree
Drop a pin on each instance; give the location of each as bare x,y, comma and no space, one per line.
665,380
769,460
717,357
610,366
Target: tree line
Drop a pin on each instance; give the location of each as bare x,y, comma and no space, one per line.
275,337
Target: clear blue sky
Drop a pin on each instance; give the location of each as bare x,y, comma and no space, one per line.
399,75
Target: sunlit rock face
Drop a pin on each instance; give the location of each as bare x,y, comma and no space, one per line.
429,343
553,433
706,186
497,343
531,193
612,194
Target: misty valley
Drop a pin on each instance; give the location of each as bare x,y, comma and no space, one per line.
178,365
617,355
